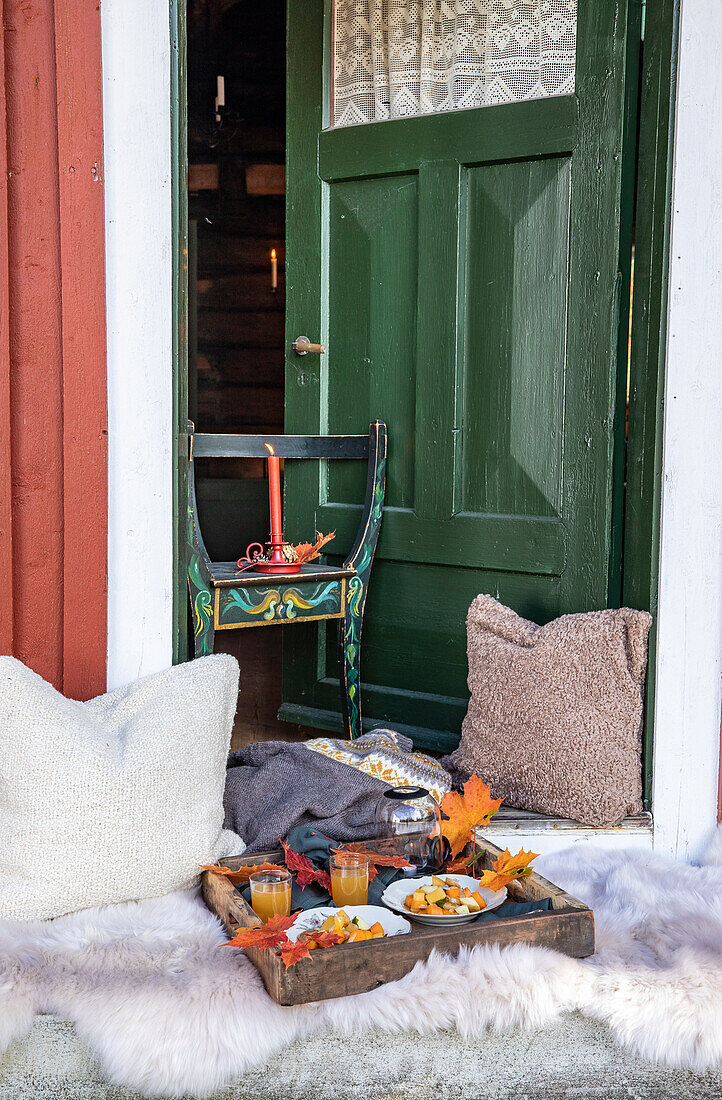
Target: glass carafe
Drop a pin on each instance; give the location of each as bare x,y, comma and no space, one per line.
408,823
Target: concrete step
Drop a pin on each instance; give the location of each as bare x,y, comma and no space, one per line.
574,1060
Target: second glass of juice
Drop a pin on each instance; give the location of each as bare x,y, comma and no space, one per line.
349,878
271,894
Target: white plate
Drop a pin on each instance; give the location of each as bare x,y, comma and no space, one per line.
394,895
312,918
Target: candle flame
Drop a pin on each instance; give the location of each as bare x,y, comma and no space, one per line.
273,253
269,448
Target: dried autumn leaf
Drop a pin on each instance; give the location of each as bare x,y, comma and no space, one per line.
302,551
306,551
292,952
304,870
327,939
263,936
243,873
466,812
315,937
380,859
461,866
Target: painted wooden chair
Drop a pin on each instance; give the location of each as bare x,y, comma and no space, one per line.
222,598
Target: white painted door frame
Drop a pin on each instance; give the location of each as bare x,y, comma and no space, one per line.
136,82
138,243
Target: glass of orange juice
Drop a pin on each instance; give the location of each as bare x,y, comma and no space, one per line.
271,894
349,878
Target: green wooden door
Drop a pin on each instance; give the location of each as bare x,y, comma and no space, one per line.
462,268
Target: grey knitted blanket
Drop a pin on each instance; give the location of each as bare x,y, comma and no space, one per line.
272,786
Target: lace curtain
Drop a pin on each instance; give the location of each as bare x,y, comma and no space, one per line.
396,58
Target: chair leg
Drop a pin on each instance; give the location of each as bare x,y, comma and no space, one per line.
349,639
202,610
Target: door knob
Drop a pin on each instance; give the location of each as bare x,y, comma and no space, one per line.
302,345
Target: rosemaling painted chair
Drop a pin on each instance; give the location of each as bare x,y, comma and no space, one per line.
224,598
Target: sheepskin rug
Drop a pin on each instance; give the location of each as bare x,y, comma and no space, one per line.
169,1012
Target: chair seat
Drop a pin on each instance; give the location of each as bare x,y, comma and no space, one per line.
259,599
226,574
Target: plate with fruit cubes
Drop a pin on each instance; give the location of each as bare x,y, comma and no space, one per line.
441,899
353,923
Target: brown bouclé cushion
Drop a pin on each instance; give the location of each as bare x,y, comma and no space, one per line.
555,717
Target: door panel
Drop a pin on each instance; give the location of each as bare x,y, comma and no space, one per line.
462,269
517,230
372,247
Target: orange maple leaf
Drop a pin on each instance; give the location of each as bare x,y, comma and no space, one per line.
263,936
494,881
506,867
292,952
515,866
243,873
466,812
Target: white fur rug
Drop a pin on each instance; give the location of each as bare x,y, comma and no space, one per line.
169,1013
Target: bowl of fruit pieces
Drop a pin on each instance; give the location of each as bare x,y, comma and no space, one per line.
439,899
353,924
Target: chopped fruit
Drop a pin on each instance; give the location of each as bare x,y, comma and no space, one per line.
344,929
446,898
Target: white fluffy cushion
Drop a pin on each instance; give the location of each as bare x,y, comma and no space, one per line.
115,799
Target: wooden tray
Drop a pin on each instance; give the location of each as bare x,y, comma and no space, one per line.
357,967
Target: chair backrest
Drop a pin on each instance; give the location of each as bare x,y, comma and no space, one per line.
285,446
371,447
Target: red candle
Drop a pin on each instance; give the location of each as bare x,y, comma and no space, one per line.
274,494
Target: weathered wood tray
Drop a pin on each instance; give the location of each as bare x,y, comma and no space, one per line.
357,967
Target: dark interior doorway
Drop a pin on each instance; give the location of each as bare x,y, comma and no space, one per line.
236,209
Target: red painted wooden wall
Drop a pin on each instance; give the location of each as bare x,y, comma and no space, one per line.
53,404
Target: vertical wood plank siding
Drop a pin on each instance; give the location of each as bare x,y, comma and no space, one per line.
85,416
6,536
54,401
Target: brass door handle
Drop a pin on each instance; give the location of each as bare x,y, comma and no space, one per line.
302,345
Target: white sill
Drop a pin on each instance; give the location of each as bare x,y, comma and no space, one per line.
516,829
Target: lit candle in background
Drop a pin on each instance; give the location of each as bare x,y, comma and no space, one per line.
274,495
274,270
220,96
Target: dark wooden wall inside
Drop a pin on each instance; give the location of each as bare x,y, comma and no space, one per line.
239,320
237,325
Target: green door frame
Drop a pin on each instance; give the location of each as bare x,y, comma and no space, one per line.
646,202
179,214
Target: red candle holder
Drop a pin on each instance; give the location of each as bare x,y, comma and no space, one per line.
257,561
276,563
